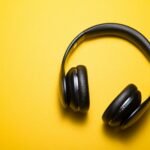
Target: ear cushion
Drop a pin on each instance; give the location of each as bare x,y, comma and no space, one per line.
77,88
83,88
136,115
118,102
72,89
130,104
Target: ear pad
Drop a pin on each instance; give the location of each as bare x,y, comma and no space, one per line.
77,88
136,114
129,105
72,89
126,109
83,88
114,107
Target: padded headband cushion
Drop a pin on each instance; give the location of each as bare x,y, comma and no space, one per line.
83,88
118,102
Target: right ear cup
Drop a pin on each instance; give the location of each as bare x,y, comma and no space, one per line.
136,114
117,103
128,106
77,88
126,109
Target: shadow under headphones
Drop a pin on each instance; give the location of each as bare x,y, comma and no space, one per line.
126,108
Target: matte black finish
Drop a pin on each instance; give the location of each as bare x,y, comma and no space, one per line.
136,114
130,104
77,87
118,102
126,108
73,88
83,88
107,29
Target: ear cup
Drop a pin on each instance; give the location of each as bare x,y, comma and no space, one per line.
117,103
130,104
73,89
77,88
136,114
83,88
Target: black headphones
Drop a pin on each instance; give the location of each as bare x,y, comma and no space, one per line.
126,108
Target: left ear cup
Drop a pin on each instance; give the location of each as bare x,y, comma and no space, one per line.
84,101
73,89
77,88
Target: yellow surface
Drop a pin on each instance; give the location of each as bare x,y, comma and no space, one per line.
33,37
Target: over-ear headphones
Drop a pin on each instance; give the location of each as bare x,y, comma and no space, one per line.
126,108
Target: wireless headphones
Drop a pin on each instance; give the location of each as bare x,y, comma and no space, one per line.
126,108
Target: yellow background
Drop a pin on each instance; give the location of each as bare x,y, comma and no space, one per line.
33,37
